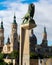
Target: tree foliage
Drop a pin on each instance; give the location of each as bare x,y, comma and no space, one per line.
14,54
2,62
1,56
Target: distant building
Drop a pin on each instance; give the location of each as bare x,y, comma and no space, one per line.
14,35
43,48
33,41
13,42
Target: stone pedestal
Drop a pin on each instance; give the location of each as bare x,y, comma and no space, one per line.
28,24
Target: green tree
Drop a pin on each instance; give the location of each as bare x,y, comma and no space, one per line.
2,62
1,56
14,54
1,59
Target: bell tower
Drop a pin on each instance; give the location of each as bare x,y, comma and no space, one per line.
14,35
1,36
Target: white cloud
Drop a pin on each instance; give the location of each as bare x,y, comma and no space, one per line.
43,16
7,16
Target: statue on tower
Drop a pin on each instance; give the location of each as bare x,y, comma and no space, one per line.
28,18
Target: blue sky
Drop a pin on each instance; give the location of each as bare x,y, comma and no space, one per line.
26,1
42,16
4,7
7,0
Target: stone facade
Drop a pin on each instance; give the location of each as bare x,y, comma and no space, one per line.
14,36
12,43
46,61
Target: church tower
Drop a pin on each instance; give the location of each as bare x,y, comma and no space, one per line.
14,35
1,36
44,41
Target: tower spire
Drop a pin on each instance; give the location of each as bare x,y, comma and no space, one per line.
8,40
45,30
1,24
44,41
14,19
45,33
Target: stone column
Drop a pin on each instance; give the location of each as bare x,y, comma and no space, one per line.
28,24
24,44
